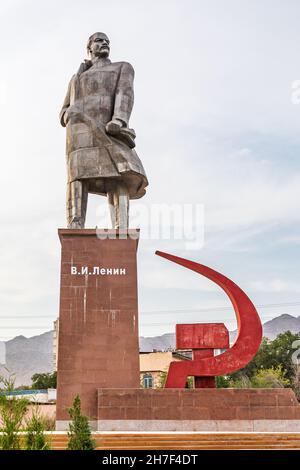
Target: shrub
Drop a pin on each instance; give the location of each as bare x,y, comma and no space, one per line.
79,434
35,431
270,378
12,413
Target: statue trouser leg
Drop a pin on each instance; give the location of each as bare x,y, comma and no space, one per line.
77,196
118,200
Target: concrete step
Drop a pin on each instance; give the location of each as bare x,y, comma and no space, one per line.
193,437
194,441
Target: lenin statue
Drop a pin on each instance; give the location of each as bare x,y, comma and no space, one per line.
100,145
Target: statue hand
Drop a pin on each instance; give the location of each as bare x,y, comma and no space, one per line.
113,127
71,112
66,117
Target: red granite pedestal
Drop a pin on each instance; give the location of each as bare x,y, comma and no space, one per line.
198,410
98,318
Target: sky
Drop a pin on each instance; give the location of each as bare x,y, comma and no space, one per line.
217,118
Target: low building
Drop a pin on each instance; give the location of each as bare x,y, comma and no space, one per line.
34,396
155,365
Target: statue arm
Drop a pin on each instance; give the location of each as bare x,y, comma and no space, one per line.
124,94
65,105
83,67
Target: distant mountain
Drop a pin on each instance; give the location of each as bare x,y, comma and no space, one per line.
27,356
282,323
160,343
275,326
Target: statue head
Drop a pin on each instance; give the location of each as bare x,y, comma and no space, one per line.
98,45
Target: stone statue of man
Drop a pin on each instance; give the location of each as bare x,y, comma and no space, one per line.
100,146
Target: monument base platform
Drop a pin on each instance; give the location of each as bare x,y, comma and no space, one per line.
244,410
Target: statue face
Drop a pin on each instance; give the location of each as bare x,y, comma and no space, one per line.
99,46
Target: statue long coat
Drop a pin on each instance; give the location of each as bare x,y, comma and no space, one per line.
97,94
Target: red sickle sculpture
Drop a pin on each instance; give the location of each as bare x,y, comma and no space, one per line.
248,338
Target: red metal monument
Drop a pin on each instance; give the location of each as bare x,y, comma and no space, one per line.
203,339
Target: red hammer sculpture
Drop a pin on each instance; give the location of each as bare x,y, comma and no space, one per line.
202,339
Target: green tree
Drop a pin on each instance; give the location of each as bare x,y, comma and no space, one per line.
79,434
271,354
44,381
295,384
241,381
282,351
270,378
12,413
35,431
222,381
162,379
263,378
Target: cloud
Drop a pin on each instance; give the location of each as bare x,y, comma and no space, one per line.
276,286
290,240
